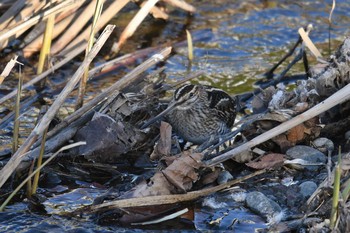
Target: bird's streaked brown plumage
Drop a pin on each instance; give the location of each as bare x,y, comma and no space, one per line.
198,112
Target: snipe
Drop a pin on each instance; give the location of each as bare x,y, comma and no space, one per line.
198,112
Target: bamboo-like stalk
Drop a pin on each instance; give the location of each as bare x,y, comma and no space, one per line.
15,160
3,205
45,49
83,81
39,163
336,188
17,109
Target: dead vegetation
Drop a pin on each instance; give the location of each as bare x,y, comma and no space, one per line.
110,122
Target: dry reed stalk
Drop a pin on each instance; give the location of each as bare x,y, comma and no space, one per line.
45,49
59,64
83,80
181,4
17,110
36,44
16,159
6,4
189,45
74,29
157,13
64,6
106,16
28,11
9,66
34,37
10,13
134,23
39,163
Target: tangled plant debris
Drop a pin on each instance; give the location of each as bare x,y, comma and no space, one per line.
280,138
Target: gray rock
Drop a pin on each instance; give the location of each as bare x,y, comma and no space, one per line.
307,188
262,205
308,154
223,177
323,144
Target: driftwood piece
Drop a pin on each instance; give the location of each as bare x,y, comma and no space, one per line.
337,98
39,129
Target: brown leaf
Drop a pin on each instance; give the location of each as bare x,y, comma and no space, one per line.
296,134
273,160
178,177
162,148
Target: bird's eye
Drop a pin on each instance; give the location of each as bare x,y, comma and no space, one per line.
191,95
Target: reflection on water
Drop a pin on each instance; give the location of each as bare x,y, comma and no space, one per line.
244,38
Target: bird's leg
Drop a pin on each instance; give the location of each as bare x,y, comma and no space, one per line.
208,143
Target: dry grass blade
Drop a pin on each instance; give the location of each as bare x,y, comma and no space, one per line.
39,163
83,80
336,191
17,110
9,66
45,49
134,23
39,129
189,45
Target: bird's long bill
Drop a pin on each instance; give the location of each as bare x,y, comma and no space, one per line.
156,118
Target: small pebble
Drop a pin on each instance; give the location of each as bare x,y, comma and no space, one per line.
223,177
308,154
307,188
262,205
323,144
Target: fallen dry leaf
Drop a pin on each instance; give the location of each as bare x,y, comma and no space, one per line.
178,177
162,148
296,134
273,160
